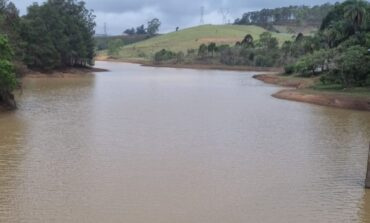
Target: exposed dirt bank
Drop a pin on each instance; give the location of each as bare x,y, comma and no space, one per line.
303,93
64,73
285,81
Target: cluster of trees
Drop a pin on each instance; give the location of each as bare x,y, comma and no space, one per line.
55,34
339,52
8,80
151,29
263,52
58,33
292,15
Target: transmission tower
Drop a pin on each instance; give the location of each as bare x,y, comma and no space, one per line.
105,30
202,15
225,14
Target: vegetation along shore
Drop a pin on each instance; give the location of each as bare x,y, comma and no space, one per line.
331,61
54,37
326,48
309,90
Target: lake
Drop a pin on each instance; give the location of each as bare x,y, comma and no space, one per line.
161,145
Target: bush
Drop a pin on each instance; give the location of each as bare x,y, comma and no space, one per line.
180,56
203,51
8,82
353,66
263,61
289,69
114,47
164,55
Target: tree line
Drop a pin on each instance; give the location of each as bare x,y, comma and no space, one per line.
339,53
54,34
151,29
292,15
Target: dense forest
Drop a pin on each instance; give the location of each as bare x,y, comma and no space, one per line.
55,34
339,53
292,15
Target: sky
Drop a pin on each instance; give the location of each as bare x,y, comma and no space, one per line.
119,15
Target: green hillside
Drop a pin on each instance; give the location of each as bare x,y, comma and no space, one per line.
192,38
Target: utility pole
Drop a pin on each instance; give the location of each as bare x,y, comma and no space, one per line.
367,181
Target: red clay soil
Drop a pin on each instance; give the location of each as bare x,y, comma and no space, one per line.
330,99
285,82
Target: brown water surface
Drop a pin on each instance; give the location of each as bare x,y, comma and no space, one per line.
157,145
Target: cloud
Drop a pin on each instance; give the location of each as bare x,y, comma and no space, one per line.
122,14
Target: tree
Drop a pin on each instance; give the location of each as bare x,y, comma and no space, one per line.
212,48
291,15
153,26
164,55
58,33
140,30
203,51
130,32
248,41
314,63
355,11
114,47
353,64
8,81
266,41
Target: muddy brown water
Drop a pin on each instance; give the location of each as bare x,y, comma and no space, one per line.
159,145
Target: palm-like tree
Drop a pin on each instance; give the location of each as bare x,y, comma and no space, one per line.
355,11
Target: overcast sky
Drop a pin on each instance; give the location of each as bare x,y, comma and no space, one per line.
122,14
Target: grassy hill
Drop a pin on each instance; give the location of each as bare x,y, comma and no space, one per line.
192,38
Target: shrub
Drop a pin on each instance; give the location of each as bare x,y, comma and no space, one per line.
164,55
263,61
180,56
289,69
203,51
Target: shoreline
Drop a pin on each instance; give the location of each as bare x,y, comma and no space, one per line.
63,73
195,66
303,93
